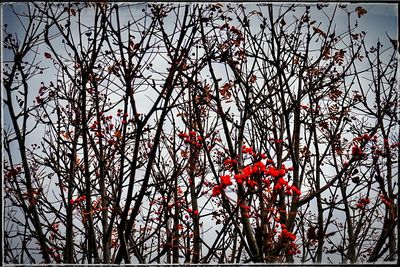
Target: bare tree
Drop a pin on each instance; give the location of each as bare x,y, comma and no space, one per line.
198,133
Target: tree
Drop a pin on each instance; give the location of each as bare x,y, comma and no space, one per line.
198,133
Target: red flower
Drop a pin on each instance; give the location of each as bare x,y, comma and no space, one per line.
198,145
288,235
251,183
195,212
216,191
296,190
267,182
240,178
362,203
357,151
72,201
277,187
365,201
259,167
245,207
225,180
359,205
183,135
273,171
386,141
282,181
247,171
247,150
229,162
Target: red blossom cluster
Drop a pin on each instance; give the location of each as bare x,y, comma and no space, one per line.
288,235
225,182
378,151
104,127
259,167
54,230
54,253
276,141
77,200
357,152
13,172
123,117
362,203
362,138
245,208
395,145
255,173
293,249
229,163
41,98
194,212
248,150
246,175
191,138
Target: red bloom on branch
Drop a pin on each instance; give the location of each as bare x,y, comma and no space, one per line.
359,205
216,191
362,203
230,162
225,180
247,171
365,201
240,178
251,183
273,172
277,187
282,181
295,190
259,167
183,135
288,235
247,150
357,152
